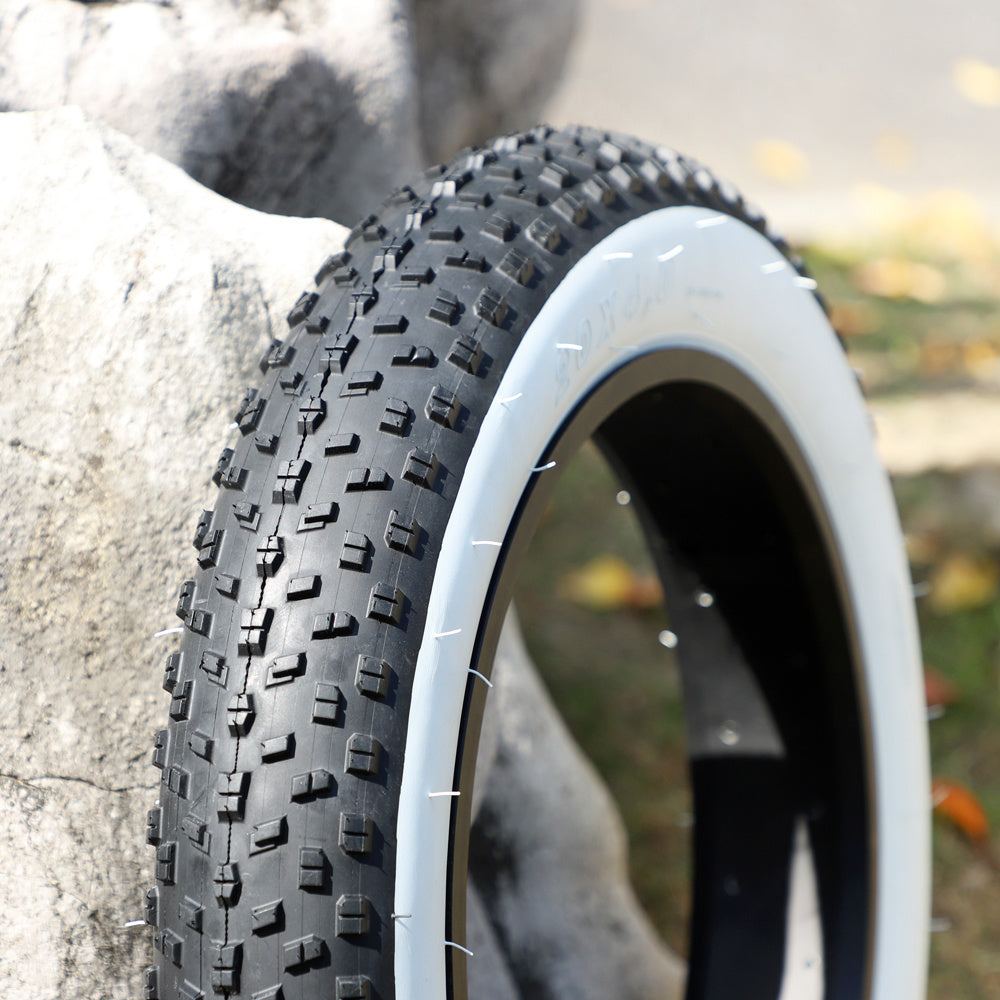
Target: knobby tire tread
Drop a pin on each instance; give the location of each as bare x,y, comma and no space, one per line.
275,826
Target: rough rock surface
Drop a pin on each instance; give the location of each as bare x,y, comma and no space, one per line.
298,107
486,67
134,305
293,106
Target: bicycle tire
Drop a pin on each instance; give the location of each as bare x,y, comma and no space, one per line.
312,829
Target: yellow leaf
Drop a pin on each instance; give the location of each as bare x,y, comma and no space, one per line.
945,225
780,161
977,81
900,278
608,583
880,207
949,225
980,357
602,585
962,582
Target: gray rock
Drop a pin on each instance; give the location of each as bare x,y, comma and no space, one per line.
548,856
489,972
296,107
134,304
550,909
487,67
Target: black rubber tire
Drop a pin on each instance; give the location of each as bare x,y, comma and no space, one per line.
276,826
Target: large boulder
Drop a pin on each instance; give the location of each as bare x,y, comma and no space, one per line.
134,305
290,106
296,107
484,68
548,855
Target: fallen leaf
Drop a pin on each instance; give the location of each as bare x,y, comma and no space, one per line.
948,225
879,207
853,319
938,689
980,357
608,583
958,805
780,161
963,582
646,592
977,81
900,278
945,225
937,357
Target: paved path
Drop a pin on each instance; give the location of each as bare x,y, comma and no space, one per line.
865,89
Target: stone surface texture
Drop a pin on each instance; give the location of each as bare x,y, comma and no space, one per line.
300,107
487,68
297,107
134,304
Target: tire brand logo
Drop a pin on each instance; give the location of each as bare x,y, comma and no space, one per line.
635,292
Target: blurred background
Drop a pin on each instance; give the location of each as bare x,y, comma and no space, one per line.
800,102
868,132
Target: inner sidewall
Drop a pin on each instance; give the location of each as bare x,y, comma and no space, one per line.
729,506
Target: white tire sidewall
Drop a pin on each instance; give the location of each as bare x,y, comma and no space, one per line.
678,278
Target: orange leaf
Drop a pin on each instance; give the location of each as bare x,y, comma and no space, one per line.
853,319
937,357
958,805
938,689
645,593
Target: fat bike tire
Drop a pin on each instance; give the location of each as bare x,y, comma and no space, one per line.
312,826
